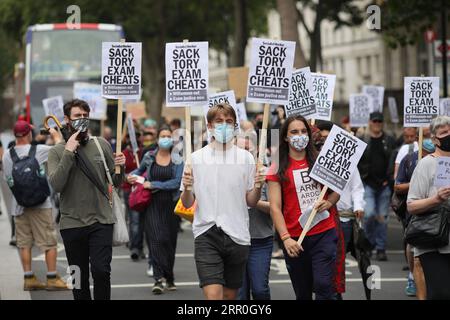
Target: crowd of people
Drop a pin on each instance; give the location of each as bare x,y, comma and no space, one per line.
242,207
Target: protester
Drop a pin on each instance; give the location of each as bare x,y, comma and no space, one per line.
222,180
374,170
409,146
424,196
164,172
311,266
24,171
416,281
87,218
149,138
108,136
256,275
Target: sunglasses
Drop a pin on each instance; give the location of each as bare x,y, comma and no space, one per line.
377,121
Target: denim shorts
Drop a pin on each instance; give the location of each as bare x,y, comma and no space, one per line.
219,259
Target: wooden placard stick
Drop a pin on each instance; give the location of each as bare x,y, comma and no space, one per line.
263,140
188,139
119,127
312,215
420,138
136,157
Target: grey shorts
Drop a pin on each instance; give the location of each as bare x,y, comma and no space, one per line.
219,259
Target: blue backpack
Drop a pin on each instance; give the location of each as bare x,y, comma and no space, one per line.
29,185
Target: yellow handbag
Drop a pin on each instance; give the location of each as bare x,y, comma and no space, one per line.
186,213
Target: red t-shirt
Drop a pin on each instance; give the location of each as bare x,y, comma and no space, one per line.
291,204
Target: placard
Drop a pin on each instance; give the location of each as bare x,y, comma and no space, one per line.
377,94
223,97
359,108
237,81
421,101
301,96
393,110
92,94
54,106
323,88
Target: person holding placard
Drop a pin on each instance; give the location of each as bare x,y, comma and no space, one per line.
224,182
292,195
423,196
375,173
164,171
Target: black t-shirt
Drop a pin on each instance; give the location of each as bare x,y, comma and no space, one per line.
379,163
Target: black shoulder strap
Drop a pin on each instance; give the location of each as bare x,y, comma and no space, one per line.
32,152
15,158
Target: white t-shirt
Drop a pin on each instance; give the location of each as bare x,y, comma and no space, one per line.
22,151
404,151
221,182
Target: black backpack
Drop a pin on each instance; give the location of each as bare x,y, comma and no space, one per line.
30,187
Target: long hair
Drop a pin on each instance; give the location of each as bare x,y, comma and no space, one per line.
283,149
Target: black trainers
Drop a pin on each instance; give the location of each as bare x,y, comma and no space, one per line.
134,256
170,286
381,255
158,287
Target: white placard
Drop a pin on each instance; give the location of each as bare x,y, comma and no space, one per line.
92,94
392,103
360,108
242,112
186,73
323,88
444,109
222,97
121,70
270,72
54,106
421,101
132,134
301,96
377,94
338,159
442,177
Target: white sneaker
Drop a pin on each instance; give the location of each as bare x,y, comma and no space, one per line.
150,271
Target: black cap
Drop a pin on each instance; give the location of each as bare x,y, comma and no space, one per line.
324,125
376,116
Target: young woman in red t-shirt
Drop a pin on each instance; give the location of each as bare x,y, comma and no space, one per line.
292,193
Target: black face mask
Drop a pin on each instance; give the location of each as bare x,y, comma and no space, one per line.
445,143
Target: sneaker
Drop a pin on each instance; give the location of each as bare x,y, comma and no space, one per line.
32,283
150,271
56,284
13,242
158,287
170,286
381,255
410,289
134,255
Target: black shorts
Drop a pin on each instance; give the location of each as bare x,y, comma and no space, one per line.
219,259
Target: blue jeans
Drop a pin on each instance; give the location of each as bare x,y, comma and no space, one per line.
256,276
376,215
136,226
347,230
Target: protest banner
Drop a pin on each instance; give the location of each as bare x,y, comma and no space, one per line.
269,79
301,96
242,112
377,94
137,110
237,81
132,135
186,73
360,107
223,97
393,111
92,94
54,106
121,77
334,165
323,88
444,109
442,177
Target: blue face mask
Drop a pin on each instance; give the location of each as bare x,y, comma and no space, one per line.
165,143
223,132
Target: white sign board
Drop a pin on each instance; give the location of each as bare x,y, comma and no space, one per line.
421,101
442,177
223,97
393,111
270,73
121,70
444,109
92,94
301,96
186,73
338,159
323,88
54,106
242,112
360,108
132,133
377,94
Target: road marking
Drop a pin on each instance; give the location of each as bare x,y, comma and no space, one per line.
118,257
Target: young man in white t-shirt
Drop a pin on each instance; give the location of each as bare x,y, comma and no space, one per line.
224,182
